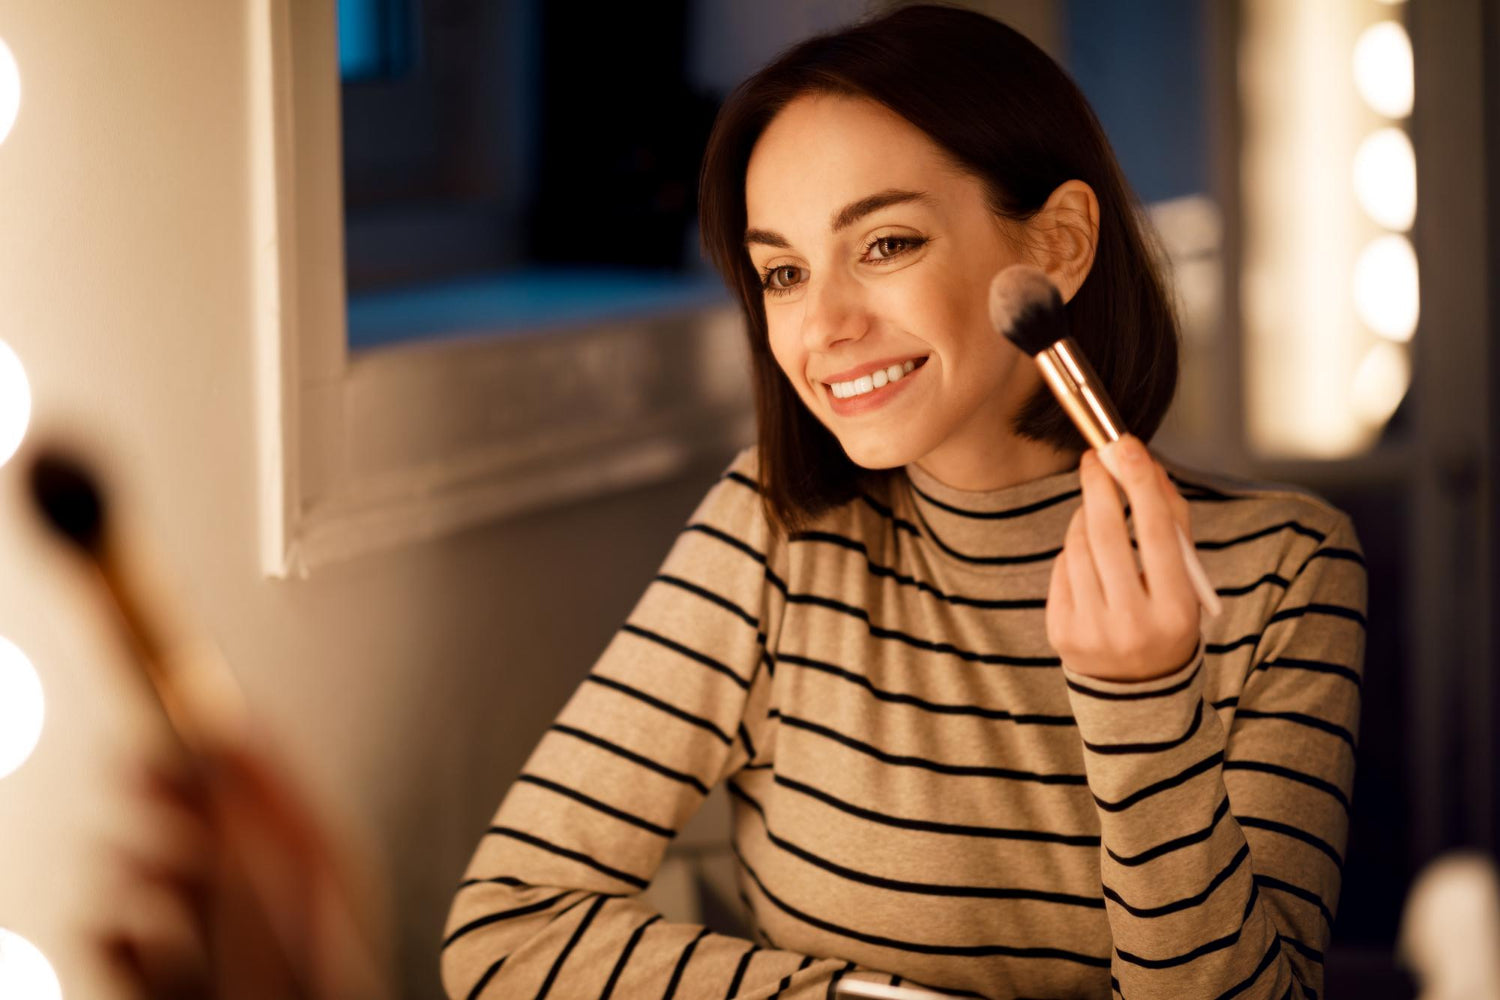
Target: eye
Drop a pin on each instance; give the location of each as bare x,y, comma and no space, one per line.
887,247
780,280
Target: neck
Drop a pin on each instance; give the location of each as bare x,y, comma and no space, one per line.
1013,462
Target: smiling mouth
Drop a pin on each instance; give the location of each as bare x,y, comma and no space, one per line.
878,379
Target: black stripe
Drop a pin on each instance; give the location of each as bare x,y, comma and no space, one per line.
745,739
1287,830
1307,951
739,970
635,758
635,939
687,954
1306,895
1333,610
1265,963
928,826
711,597
1016,560
1176,844
879,632
915,888
894,697
498,880
494,918
484,980
1317,666
967,770
572,855
920,948
1229,647
727,539
657,703
1187,902
691,654
1295,526
997,515
1165,692
1173,961
877,570
595,804
1114,748
1291,774
1272,578
899,523
583,925
1187,773
1229,702
833,981
1351,555
1301,719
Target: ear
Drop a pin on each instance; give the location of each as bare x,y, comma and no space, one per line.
1065,234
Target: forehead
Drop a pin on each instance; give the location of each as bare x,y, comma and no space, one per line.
822,151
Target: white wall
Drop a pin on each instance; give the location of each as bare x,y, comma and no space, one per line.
406,688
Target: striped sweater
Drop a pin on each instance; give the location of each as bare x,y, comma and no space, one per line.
922,791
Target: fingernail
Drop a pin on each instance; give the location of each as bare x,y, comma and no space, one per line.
1133,449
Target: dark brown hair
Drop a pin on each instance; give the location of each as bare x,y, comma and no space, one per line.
1005,112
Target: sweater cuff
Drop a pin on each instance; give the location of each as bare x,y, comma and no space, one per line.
1111,713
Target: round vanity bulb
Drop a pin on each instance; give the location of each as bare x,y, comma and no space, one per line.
15,402
21,709
10,90
25,972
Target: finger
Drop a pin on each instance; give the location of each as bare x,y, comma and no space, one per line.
1059,601
1155,527
1109,543
1083,582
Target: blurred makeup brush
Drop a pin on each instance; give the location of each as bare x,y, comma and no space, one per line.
1026,307
189,681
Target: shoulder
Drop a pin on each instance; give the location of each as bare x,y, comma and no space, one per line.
733,503
1228,509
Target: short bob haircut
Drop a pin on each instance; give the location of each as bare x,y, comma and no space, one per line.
1005,112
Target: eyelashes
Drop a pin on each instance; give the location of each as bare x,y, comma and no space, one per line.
905,245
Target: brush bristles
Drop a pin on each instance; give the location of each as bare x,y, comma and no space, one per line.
1026,307
69,500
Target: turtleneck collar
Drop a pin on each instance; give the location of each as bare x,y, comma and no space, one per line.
1016,526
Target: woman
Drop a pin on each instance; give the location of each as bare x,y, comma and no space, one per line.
968,743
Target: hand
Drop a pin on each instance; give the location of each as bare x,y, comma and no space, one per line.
1105,617
246,900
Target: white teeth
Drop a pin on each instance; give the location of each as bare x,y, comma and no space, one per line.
871,382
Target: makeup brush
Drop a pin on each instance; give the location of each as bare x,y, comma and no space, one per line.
190,683
1026,307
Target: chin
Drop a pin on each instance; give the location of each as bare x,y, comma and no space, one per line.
870,451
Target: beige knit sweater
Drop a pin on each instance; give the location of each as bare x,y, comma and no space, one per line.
922,792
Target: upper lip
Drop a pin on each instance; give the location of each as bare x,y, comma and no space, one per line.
869,367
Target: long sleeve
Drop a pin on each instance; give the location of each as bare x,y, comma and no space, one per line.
1224,819
672,707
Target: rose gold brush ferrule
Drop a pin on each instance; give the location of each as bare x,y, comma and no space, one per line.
1070,376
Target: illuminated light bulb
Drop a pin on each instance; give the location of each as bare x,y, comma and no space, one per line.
1383,68
1385,287
21,709
10,90
15,403
1385,178
25,972
1380,383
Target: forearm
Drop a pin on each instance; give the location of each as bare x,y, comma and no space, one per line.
1186,912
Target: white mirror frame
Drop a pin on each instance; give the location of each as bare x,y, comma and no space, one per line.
368,450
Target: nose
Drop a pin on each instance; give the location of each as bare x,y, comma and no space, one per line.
834,311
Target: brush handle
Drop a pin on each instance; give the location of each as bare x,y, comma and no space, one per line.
1207,596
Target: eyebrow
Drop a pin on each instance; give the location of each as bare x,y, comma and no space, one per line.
844,217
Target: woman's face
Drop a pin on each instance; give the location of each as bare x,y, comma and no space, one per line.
876,255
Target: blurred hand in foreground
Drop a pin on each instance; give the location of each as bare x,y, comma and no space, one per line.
244,898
